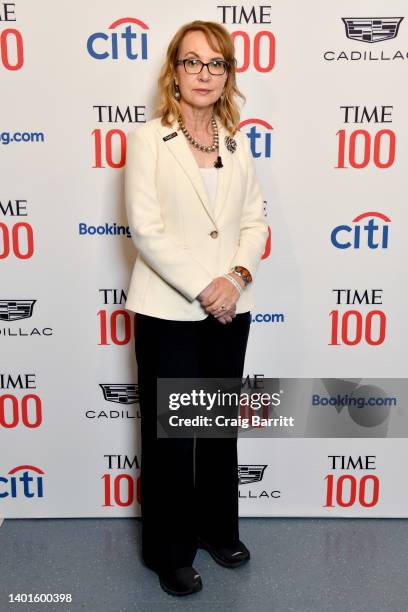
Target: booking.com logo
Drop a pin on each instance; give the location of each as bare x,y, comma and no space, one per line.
371,234
260,141
268,317
107,229
341,400
125,42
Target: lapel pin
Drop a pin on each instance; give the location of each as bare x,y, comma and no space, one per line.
172,135
231,144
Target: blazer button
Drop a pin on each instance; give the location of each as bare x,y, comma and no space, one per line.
214,234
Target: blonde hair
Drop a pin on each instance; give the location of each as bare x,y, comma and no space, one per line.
226,107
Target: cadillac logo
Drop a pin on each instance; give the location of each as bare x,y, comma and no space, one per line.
13,310
250,473
120,393
372,29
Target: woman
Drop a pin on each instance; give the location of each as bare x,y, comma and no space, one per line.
196,216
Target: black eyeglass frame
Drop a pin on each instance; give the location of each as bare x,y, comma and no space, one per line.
226,65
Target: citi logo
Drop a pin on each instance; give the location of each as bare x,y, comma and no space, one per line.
126,37
370,230
22,481
259,135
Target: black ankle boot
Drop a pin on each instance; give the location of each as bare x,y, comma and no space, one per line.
229,555
180,581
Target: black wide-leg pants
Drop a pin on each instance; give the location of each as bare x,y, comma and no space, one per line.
188,487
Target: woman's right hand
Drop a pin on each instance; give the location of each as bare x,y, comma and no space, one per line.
225,316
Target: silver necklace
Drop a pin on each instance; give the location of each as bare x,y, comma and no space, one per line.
207,149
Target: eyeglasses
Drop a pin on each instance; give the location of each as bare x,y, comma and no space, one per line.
195,66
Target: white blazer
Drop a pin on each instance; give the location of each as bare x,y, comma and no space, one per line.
183,244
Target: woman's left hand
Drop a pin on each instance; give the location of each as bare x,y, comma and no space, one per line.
219,292
227,316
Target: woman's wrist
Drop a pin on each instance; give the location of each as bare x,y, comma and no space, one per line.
230,277
243,274
238,278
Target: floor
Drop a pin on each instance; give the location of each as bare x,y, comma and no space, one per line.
297,565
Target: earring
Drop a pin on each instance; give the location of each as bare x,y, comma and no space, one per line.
177,91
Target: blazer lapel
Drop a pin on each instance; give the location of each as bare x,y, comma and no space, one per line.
224,173
180,148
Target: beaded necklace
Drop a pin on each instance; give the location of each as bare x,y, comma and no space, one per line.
207,149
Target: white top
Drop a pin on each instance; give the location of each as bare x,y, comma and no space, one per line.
210,182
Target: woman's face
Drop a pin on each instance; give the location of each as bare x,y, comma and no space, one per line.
203,89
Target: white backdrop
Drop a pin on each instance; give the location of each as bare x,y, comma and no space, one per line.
68,380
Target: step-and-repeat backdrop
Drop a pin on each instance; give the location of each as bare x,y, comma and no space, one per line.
326,119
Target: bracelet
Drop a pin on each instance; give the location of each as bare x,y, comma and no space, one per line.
244,273
234,282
